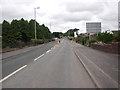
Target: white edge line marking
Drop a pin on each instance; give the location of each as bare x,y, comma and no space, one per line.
39,57
12,73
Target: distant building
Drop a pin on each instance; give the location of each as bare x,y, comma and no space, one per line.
119,15
93,27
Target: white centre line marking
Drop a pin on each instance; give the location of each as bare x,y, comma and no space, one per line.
39,57
48,51
22,67
12,73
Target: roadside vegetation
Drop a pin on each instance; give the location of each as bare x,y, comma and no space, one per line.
57,34
103,38
106,41
20,33
87,39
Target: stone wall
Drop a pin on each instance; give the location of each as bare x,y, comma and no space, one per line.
109,48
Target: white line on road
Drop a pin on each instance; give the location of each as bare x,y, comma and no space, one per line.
12,73
22,67
48,51
42,54
39,57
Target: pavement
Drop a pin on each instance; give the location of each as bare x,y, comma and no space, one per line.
64,65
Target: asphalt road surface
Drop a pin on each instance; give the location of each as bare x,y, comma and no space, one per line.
102,66
16,59
66,65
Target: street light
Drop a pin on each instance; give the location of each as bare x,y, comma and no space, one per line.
35,20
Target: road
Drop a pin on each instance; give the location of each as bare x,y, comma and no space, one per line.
66,65
102,66
16,59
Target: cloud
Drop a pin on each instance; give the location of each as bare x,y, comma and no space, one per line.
109,17
63,14
94,7
73,17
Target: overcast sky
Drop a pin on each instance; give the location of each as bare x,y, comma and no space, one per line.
61,15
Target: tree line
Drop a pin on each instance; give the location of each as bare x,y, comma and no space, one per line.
21,31
71,32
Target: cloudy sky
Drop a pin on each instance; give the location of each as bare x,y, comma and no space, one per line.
61,15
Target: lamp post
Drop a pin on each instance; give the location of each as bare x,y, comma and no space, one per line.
35,20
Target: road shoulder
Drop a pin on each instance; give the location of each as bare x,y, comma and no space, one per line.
100,77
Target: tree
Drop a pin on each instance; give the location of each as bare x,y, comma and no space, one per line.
15,29
32,29
8,39
57,34
76,30
70,33
116,36
22,31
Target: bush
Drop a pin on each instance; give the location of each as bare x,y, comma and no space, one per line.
46,40
82,40
71,38
78,39
105,37
116,36
93,40
37,41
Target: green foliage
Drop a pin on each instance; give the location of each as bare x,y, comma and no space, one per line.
82,40
57,34
71,38
37,41
105,37
70,32
22,31
116,36
7,35
43,32
0,29
31,28
93,40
